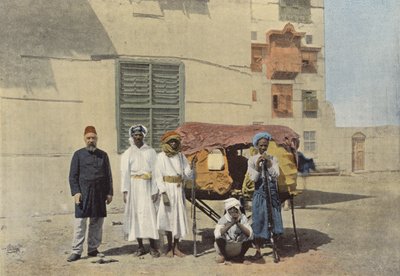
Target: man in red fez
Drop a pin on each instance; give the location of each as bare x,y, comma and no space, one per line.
91,186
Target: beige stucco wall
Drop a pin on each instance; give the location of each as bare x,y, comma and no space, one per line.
41,126
217,78
201,35
382,147
41,131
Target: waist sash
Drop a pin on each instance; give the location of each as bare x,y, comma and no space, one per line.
145,176
173,179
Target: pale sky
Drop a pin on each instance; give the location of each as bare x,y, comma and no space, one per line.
363,61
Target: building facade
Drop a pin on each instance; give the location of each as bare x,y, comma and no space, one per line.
68,64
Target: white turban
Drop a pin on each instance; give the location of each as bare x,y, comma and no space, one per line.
135,128
232,202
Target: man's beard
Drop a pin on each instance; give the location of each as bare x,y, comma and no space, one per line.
138,142
91,147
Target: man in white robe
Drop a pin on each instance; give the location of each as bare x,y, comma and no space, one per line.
140,191
172,169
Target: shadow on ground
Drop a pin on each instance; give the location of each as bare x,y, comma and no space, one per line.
123,250
313,197
309,239
204,245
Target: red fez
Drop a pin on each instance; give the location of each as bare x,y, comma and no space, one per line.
89,129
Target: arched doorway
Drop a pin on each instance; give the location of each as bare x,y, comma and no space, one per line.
358,152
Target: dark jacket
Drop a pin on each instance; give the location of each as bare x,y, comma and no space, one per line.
90,175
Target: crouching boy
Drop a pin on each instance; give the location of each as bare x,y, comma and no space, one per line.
233,234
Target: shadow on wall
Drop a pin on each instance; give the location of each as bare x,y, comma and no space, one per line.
32,31
156,8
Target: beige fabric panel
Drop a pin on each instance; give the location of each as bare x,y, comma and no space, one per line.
216,181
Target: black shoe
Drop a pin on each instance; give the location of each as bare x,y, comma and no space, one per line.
141,251
93,253
256,256
154,253
277,237
238,259
73,257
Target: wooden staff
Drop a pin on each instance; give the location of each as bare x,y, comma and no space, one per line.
267,189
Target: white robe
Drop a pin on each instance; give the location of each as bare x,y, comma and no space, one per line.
172,218
140,214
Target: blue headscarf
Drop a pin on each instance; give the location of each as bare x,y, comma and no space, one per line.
259,136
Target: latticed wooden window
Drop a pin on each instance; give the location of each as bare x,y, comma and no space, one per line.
309,141
309,61
149,93
258,52
295,10
282,100
310,104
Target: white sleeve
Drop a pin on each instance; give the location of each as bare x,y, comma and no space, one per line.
125,171
153,157
187,171
254,175
246,224
217,231
158,171
274,170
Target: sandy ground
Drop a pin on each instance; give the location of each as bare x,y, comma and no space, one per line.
348,225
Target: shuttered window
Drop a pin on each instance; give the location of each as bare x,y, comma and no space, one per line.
310,104
309,141
281,100
295,10
309,61
149,93
258,52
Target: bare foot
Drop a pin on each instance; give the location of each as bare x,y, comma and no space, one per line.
179,253
286,205
219,259
169,254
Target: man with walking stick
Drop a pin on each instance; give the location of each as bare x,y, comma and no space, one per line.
263,169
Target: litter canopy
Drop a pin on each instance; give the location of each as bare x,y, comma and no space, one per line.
199,136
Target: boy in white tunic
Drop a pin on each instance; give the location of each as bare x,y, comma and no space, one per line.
172,169
233,233
139,191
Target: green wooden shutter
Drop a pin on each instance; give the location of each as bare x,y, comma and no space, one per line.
166,100
149,93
